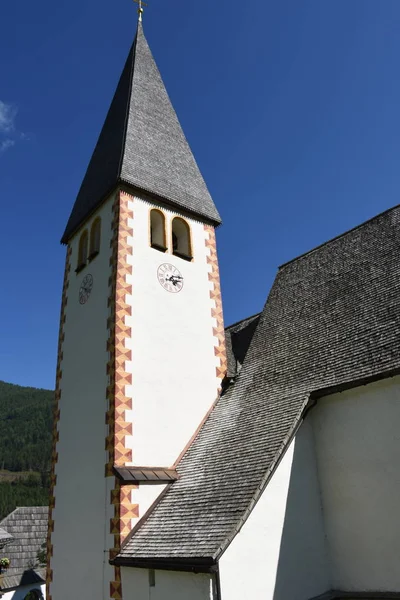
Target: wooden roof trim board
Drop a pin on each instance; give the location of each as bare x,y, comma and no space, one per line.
149,474
194,565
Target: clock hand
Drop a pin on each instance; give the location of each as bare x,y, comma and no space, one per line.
175,280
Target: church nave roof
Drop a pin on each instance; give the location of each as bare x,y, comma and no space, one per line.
331,321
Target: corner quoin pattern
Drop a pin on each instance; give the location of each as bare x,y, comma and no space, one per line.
119,429
216,311
54,455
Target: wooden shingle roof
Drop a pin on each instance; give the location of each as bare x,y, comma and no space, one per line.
238,337
5,537
28,527
142,144
331,321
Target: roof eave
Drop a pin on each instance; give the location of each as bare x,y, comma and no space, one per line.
354,383
130,187
310,401
337,237
67,235
172,203
193,565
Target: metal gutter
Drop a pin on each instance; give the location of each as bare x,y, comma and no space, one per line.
193,565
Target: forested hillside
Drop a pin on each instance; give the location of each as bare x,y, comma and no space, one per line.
26,416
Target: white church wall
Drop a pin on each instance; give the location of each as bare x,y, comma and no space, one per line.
280,551
174,382
146,495
81,534
173,363
169,585
358,449
21,592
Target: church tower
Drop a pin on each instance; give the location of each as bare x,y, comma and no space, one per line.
141,349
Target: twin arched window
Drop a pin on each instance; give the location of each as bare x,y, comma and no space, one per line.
84,248
158,238
95,238
181,243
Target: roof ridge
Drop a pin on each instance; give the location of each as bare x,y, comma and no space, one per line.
337,237
9,515
133,50
33,507
150,194
242,320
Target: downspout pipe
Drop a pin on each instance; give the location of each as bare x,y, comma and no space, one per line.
218,595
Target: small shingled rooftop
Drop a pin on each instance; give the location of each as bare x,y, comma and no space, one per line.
28,528
331,321
5,537
237,338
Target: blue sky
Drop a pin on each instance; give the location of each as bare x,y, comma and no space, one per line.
292,110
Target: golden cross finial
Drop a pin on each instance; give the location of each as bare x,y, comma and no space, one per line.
140,8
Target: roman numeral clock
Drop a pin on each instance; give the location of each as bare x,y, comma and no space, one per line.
170,278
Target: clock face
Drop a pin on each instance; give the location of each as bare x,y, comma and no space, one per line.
170,278
85,289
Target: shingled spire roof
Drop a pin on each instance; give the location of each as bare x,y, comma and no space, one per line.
142,144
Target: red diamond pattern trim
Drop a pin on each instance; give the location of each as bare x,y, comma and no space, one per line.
215,294
118,403
56,418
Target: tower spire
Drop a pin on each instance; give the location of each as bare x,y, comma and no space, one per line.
142,145
140,4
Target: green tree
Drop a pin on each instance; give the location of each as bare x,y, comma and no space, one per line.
26,417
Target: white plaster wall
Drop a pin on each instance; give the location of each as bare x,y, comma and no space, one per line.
358,447
146,495
81,536
20,592
174,383
169,585
173,361
280,552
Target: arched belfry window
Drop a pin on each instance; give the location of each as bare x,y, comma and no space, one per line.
95,233
157,230
181,240
82,251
